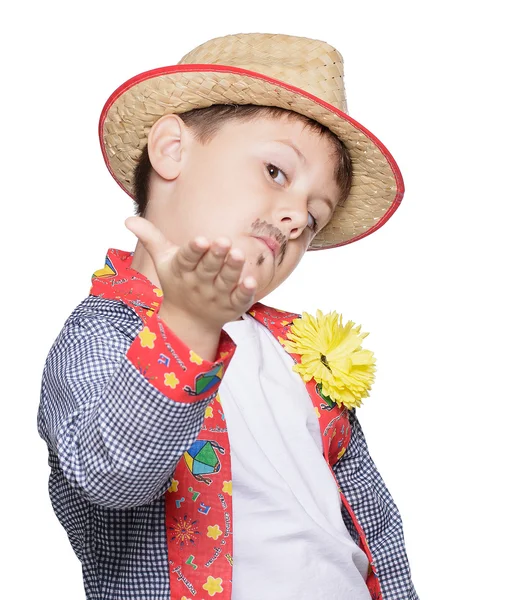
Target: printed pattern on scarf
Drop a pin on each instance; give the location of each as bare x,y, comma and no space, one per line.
199,515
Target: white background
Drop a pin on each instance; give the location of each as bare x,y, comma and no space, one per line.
438,287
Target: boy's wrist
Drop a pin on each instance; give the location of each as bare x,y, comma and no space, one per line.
201,337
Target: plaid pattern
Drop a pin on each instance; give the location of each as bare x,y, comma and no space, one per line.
376,513
114,441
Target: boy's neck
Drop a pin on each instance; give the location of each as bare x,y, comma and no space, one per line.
144,265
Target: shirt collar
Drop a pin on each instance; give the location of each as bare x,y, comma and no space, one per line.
117,280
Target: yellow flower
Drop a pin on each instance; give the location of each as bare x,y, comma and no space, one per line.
214,531
171,380
332,355
174,486
194,358
147,338
227,488
213,586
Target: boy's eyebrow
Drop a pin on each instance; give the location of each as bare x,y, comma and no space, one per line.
292,145
325,199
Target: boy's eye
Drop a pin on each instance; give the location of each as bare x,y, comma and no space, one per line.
314,224
274,171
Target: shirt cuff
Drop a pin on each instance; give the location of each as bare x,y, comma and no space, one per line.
173,368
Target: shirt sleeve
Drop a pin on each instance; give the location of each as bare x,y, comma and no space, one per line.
377,514
119,434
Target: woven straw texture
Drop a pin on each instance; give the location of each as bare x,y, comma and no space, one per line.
310,65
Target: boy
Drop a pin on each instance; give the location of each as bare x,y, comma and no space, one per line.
171,385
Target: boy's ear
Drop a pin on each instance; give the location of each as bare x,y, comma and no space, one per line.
165,144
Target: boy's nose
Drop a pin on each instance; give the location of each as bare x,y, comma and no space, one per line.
291,213
293,223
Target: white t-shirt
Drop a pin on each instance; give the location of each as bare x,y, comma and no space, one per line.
289,539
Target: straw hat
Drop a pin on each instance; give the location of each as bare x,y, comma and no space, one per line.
295,73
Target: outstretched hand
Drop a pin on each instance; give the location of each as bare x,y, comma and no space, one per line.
201,279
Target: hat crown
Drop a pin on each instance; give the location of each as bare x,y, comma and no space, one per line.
311,65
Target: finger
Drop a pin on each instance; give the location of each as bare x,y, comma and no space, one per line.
189,254
242,296
229,274
212,261
153,240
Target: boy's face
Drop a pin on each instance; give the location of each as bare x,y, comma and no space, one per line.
232,187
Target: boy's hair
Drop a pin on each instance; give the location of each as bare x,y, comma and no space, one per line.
205,124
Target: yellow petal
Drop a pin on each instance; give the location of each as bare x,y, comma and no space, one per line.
331,353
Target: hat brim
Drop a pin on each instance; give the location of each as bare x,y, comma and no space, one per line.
377,185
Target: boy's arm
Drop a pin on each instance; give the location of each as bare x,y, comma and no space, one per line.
376,513
117,435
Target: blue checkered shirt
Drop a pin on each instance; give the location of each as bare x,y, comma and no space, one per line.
114,441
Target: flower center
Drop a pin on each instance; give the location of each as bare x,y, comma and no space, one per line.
324,361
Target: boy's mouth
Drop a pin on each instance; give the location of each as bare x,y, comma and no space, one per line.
274,239
271,243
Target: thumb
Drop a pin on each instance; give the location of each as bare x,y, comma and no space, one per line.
153,240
